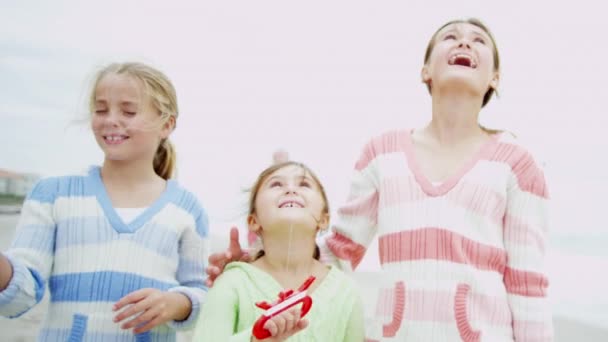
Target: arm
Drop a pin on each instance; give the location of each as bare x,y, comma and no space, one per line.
356,225
219,316
26,267
193,253
525,230
180,305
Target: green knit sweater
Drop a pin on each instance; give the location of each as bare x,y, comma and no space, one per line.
229,310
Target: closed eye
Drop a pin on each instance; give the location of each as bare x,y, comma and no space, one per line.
480,40
275,184
449,36
305,184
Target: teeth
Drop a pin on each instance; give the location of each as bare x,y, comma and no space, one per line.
114,138
291,205
471,61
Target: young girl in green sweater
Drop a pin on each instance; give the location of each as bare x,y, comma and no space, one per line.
287,208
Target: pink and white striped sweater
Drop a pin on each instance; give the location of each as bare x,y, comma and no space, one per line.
461,260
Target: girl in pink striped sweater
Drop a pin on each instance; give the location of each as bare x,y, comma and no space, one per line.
459,212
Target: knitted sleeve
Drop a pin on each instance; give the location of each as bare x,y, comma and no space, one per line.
525,230
219,315
32,251
193,252
345,246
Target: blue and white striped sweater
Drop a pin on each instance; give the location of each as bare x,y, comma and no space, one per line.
70,235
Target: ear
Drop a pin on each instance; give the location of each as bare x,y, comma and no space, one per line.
425,74
495,80
252,224
168,127
324,221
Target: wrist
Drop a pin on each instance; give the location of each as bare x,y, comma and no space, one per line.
182,304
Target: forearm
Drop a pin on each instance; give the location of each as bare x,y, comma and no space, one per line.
6,272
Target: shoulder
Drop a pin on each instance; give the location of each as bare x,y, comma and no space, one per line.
386,142
341,282
185,199
235,274
525,166
48,189
516,151
389,139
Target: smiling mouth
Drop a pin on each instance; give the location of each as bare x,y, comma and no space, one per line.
291,205
115,139
462,60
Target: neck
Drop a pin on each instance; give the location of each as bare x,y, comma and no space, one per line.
289,254
126,174
455,117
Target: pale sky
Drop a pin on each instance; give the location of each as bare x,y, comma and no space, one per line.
318,78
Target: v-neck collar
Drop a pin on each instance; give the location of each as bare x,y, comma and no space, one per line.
115,221
443,187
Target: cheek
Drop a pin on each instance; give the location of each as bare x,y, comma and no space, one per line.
96,123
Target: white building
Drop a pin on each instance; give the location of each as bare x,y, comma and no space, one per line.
16,184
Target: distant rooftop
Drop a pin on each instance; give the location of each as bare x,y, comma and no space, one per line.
10,174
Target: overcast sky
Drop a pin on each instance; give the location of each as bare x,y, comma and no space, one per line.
318,78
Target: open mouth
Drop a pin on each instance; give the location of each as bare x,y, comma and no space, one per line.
291,204
463,60
115,138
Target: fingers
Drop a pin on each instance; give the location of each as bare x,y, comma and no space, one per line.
218,259
131,311
212,273
285,324
151,324
131,298
146,321
280,156
146,316
235,245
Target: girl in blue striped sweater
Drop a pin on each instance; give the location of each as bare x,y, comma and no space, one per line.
121,247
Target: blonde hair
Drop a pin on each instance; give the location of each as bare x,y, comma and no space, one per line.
476,22
161,91
253,194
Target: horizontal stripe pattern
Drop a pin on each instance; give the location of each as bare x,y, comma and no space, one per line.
70,236
478,236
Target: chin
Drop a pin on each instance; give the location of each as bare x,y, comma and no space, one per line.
460,81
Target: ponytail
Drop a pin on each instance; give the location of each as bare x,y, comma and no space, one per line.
164,160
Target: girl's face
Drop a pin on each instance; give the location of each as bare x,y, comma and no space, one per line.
125,123
463,54
289,196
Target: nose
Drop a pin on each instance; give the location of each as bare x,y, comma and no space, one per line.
464,44
112,118
290,188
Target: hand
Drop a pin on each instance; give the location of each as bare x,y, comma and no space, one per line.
151,308
217,261
280,156
284,325
6,272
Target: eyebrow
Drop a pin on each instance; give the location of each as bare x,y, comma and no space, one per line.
123,103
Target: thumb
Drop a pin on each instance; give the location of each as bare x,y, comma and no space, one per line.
301,325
